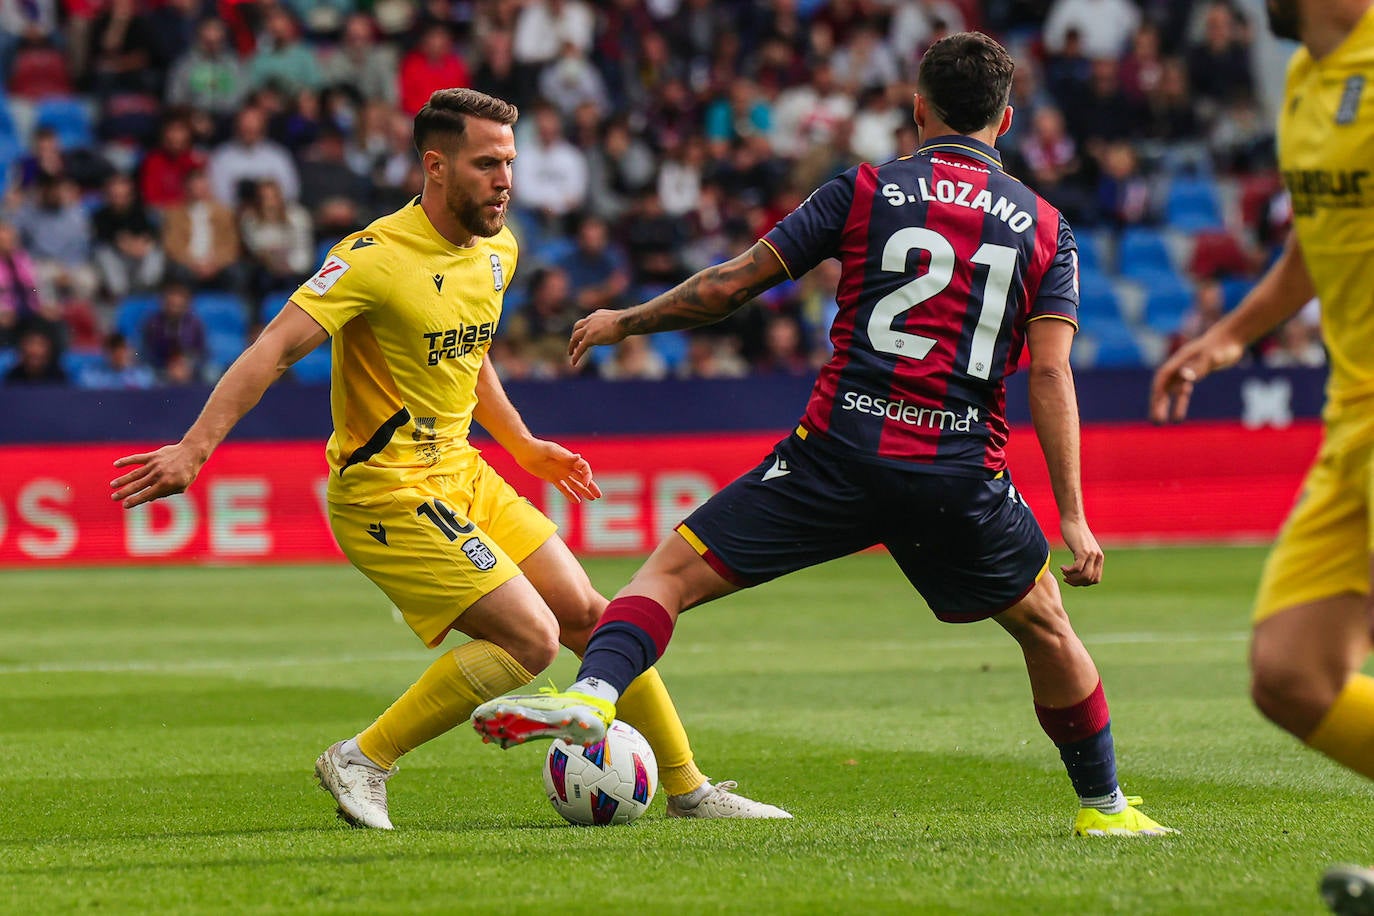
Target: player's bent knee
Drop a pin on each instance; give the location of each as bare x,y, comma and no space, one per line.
1290,697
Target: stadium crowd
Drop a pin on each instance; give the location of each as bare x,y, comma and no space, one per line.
176,167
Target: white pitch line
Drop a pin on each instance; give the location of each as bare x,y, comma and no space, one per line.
300,661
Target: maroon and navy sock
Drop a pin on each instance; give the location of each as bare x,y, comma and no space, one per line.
631,636
1083,734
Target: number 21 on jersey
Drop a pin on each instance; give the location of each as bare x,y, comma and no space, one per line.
1001,263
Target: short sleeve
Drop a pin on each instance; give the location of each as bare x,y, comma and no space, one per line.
1058,293
353,279
811,233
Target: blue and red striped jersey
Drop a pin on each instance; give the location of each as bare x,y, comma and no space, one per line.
945,260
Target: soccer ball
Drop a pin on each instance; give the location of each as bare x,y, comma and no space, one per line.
610,782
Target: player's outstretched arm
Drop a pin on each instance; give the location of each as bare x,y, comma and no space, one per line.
704,298
1054,412
568,471
173,468
1278,296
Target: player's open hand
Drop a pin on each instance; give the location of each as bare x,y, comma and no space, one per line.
170,469
568,471
1087,555
1172,388
598,329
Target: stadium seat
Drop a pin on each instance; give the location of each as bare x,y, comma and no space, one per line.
672,346
1097,296
1168,297
1089,252
314,367
1116,346
132,312
77,362
1143,252
1234,289
1193,205
221,312
69,118
38,72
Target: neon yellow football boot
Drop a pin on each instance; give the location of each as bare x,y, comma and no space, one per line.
1130,821
575,717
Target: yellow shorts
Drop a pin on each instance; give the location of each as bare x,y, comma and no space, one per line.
1324,547
436,548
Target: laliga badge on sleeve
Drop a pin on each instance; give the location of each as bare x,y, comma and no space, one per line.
328,275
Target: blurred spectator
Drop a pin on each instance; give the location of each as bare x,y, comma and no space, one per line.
250,157
29,21
181,369
122,53
38,363
873,137
551,173
810,114
361,63
174,336
166,168
45,161
712,356
277,237
655,242
126,248
1105,26
282,60
1105,113
866,62
1143,68
1068,71
326,177
1209,304
784,349
118,368
56,230
19,295
913,24
497,73
550,311
634,358
433,65
597,268
209,76
1297,343
1170,115
545,26
741,112
201,236
1219,65
1123,193
680,177
618,170
571,80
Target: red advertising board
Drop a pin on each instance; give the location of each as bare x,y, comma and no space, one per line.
264,502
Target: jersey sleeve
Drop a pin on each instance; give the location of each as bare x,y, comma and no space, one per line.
811,233
1058,293
353,279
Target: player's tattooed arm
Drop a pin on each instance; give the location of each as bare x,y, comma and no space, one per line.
707,297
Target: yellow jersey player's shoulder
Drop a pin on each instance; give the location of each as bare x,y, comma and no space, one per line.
356,276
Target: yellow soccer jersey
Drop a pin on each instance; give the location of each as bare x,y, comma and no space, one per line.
411,317
1326,152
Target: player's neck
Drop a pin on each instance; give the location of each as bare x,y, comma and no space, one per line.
443,220
1325,25
934,128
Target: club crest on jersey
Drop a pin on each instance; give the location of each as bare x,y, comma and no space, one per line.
498,276
479,553
329,273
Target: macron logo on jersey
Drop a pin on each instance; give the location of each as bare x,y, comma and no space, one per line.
328,275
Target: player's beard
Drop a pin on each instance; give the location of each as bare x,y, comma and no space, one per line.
1283,18
473,216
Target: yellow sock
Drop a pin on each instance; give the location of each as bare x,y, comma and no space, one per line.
445,695
646,705
1346,732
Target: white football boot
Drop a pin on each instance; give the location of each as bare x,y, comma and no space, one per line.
720,800
359,787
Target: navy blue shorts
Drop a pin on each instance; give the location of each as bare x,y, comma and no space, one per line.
971,547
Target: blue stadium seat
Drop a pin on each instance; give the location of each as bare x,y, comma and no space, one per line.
313,368
221,312
1233,290
1089,253
274,302
1193,205
1116,345
76,362
1143,251
7,360
672,346
68,117
1168,297
1097,296
132,312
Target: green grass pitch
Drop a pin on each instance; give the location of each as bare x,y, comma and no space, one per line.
158,728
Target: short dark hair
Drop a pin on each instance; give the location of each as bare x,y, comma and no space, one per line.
444,116
966,79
